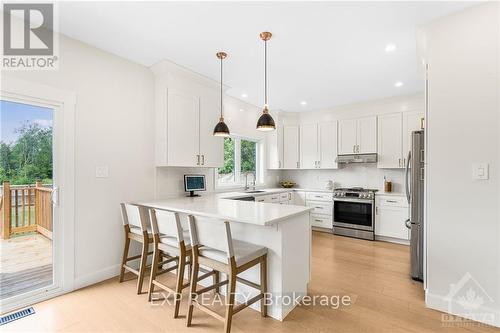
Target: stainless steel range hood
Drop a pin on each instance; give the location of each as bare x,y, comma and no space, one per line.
357,158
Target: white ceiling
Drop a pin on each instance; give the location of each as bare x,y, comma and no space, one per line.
325,53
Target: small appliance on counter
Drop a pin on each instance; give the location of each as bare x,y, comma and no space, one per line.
194,183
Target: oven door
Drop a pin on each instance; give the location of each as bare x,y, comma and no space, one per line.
353,213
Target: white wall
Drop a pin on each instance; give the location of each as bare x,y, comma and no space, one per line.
463,225
365,175
114,127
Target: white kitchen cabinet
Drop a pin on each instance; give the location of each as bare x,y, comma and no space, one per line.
367,135
291,147
183,142
274,140
394,137
184,129
391,213
390,141
318,146
211,147
358,136
309,146
321,221
321,216
327,145
412,121
347,136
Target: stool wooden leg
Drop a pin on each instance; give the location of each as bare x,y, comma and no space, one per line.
125,256
192,288
142,267
230,301
154,270
180,282
263,285
217,280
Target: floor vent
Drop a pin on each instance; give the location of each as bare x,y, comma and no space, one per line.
16,315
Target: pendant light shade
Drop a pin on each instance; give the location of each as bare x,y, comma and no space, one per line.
265,122
221,128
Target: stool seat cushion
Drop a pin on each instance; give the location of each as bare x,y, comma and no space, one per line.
243,252
138,231
172,241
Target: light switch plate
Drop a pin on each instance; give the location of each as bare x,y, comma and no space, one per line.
480,171
102,171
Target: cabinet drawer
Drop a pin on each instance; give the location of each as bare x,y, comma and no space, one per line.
320,207
318,196
392,201
321,221
284,196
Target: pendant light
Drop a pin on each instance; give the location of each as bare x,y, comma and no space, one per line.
221,128
265,122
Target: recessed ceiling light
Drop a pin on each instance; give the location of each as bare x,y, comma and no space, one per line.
390,48
303,103
241,110
398,84
244,95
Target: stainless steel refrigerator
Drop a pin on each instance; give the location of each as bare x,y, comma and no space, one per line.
415,196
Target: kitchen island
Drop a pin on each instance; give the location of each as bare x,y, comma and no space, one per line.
284,229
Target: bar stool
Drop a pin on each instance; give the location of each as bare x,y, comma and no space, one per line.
135,223
213,246
173,243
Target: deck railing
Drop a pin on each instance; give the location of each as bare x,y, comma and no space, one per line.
25,208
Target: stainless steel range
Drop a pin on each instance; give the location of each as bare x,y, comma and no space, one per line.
354,212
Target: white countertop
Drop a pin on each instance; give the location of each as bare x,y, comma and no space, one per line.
218,206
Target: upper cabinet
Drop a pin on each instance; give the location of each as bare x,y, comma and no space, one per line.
274,143
291,147
357,136
389,141
318,146
394,137
186,111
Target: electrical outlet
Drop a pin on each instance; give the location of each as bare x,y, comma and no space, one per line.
102,171
480,171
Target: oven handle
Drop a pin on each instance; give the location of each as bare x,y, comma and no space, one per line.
353,200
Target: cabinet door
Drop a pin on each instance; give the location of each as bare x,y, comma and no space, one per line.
327,145
390,141
411,122
347,136
291,147
299,198
390,222
183,131
211,147
309,146
274,146
367,135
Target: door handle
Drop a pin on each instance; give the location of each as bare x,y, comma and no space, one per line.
54,196
408,224
202,159
198,159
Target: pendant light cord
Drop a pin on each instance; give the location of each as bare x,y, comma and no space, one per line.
221,104
265,72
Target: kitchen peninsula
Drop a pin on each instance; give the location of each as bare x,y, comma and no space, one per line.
284,229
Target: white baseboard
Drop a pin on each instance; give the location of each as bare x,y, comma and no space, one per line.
392,240
95,277
438,302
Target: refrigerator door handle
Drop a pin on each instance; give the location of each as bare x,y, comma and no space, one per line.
408,223
407,177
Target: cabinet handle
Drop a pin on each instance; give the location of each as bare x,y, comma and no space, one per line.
404,162
316,220
202,159
354,148
298,165
399,162
357,150
279,164
198,159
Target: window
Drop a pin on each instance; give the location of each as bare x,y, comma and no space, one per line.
241,157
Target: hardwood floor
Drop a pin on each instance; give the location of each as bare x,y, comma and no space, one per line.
374,274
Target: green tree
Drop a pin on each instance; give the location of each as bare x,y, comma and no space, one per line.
228,157
29,158
248,155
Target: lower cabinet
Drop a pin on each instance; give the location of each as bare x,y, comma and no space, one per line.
284,198
322,214
391,213
321,221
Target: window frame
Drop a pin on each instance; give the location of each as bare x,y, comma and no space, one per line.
259,171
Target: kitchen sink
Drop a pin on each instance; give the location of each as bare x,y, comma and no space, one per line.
254,191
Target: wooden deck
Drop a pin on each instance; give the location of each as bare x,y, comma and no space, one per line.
26,264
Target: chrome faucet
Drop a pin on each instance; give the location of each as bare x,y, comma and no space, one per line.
246,180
